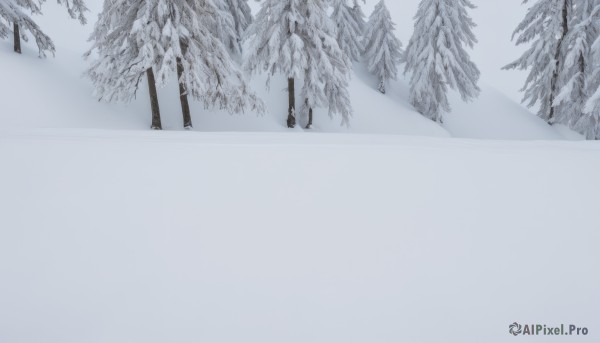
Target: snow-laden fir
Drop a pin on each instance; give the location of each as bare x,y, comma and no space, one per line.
383,51
231,20
574,74
241,13
587,38
350,28
296,38
359,14
17,13
437,59
544,27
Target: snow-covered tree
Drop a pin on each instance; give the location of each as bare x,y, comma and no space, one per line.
224,26
349,28
231,23
328,73
545,26
242,18
437,59
160,38
588,121
383,51
359,15
296,38
576,70
14,12
75,8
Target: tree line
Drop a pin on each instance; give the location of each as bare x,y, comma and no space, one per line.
209,45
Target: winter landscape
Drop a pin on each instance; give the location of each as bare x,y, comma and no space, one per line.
433,177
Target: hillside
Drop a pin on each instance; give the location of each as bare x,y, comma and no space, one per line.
61,97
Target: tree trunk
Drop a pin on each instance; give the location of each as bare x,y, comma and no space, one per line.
183,95
291,121
553,83
17,34
581,87
382,87
310,117
156,123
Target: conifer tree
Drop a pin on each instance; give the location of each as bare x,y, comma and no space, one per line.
232,21
359,15
545,26
242,18
14,12
383,51
349,29
160,38
296,38
576,72
436,57
224,26
328,73
588,123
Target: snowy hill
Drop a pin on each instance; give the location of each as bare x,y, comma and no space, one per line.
69,103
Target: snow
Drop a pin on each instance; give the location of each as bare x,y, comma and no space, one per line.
394,230
129,236
478,120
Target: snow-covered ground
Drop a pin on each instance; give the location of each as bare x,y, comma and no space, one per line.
277,237
394,230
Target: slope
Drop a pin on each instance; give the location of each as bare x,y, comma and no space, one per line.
53,93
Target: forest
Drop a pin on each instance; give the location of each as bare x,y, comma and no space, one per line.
213,47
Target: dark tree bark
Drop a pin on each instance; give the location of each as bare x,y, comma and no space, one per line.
291,121
382,87
17,34
310,117
156,123
553,83
183,96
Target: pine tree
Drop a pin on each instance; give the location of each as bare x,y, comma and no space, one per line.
545,26
578,63
75,8
296,38
232,22
158,38
224,26
588,123
437,59
328,73
382,49
359,15
349,29
242,18
13,11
